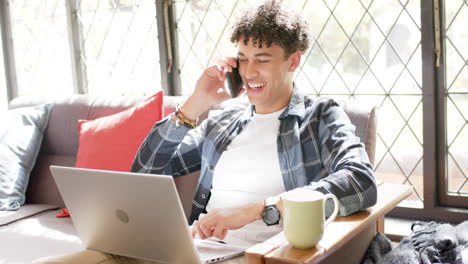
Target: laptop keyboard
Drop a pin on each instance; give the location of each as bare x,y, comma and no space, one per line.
212,250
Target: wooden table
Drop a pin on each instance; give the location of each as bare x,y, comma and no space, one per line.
346,238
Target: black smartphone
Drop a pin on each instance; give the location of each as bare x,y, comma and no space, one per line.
234,81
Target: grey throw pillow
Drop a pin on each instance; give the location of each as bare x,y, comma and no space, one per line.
21,133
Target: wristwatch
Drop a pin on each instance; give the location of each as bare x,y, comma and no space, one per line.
271,214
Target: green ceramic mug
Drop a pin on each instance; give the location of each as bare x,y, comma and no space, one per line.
304,216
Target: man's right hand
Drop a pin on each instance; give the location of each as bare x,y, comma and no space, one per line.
210,89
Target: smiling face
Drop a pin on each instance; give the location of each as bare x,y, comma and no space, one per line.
267,75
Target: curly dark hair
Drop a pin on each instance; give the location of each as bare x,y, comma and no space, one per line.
271,22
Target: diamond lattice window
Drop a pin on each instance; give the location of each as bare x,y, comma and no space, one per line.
456,43
120,51
41,47
117,39
371,55
202,28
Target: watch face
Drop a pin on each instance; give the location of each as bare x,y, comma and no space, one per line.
271,215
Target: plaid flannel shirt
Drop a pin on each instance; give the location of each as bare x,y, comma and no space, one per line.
317,150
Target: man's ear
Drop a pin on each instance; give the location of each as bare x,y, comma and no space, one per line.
295,60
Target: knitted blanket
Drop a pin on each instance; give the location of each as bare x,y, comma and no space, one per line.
429,243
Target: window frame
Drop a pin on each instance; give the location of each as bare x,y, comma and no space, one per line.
168,55
8,55
438,205
79,78
441,73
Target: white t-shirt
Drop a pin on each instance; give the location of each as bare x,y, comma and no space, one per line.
248,171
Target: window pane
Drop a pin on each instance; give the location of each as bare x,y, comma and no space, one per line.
120,51
203,28
371,55
41,47
456,42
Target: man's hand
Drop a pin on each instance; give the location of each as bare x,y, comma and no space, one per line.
210,88
211,84
218,221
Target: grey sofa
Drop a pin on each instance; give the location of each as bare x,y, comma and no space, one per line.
34,232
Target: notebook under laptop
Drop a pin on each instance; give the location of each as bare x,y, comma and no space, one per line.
135,215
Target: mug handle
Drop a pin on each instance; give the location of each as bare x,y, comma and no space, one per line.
335,211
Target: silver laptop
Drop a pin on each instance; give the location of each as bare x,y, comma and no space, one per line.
135,215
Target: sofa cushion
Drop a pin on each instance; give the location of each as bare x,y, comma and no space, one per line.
21,134
8,217
60,143
36,237
110,142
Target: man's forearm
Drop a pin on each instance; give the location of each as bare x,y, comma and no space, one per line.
194,107
156,151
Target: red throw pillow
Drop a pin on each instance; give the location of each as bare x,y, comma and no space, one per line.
111,142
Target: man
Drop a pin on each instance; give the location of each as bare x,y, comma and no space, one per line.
250,154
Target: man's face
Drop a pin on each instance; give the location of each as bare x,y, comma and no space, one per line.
267,75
